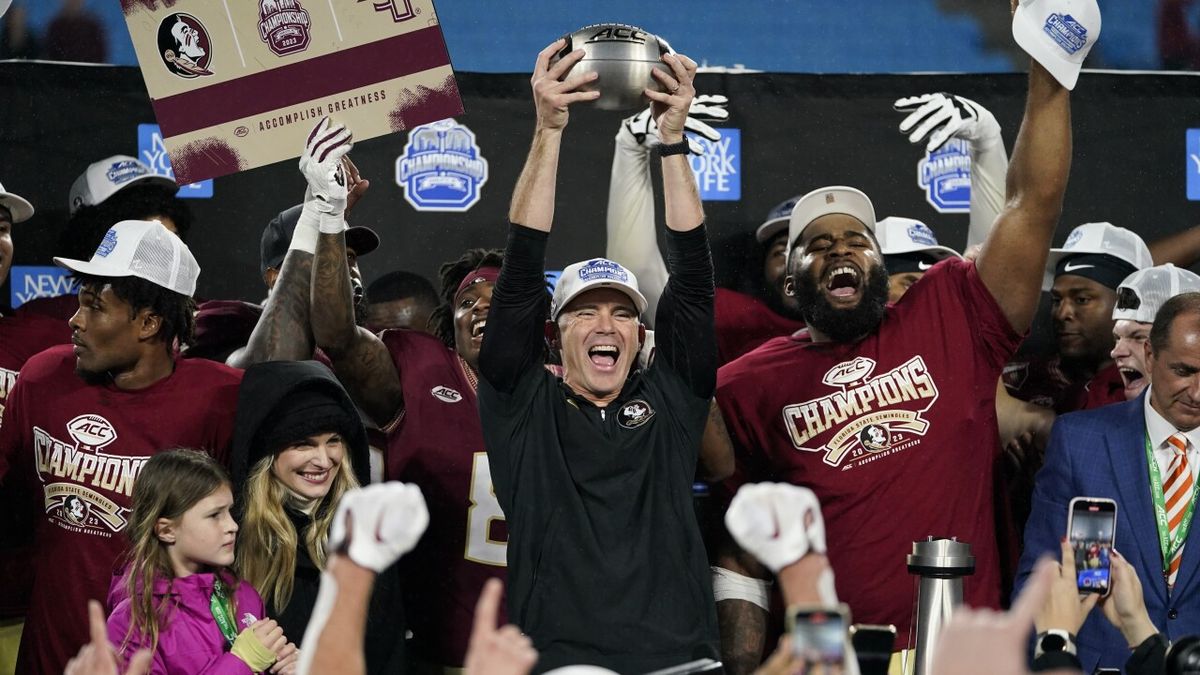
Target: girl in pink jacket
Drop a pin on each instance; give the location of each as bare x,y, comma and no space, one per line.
176,597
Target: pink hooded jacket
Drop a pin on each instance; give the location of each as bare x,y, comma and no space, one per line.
189,641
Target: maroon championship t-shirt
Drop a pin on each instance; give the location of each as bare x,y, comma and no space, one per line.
896,434
20,338
78,449
744,322
437,443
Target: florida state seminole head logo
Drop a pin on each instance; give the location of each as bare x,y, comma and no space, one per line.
184,46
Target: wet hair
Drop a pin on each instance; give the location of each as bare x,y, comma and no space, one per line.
1160,331
87,226
176,310
451,274
401,284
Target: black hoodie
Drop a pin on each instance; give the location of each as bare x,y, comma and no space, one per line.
266,388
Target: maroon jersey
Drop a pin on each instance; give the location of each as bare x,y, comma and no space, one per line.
78,448
20,338
744,322
1043,382
437,443
56,307
896,434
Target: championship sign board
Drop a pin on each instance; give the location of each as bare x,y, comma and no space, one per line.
238,84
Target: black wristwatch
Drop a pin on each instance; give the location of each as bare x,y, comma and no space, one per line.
680,148
1055,640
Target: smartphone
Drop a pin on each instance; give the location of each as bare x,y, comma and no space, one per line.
819,635
873,646
1091,525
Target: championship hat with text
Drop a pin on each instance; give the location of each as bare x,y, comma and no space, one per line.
1144,292
777,220
909,245
20,208
595,273
1058,34
144,249
1101,252
107,177
824,201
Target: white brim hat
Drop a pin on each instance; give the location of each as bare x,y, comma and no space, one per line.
825,201
1144,292
898,235
595,273
109,176
1099,239
777,220
1058,34
18,206
144,249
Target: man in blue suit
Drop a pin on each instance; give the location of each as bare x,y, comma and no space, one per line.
1107,452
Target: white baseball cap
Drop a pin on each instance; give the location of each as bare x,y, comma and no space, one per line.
777,219
824,201
18,206
145,249
905,235
595,273
1144,292
1099,239
1058,34
107,177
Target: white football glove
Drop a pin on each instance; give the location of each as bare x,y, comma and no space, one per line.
777,523
940,117
321,165
707,108
377,524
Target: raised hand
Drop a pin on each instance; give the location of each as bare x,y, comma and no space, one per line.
776,523
377,524
97,657
356,185
934,119
1065,609
670,108
551,93
322,167
492,650
704,109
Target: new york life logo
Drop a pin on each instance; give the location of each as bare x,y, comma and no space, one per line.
945,176
1193,164
719,170
31,282
152,151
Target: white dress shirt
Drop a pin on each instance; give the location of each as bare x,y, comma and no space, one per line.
1159,430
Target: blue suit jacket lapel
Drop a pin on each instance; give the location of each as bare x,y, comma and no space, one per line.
1127,452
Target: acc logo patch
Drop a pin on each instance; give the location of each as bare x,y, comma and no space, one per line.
184,45
634,414
446,394
442,168
92,431
283,25
1066,31
849,372
601,268
945,176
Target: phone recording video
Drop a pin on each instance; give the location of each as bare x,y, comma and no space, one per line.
1090,530
819,637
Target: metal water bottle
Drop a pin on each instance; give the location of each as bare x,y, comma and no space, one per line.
941,563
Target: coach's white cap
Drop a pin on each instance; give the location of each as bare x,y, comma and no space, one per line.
17,205
107,177
595,273
1143,293
1058,34
777,219
145,249
905,235
1098,239
827,200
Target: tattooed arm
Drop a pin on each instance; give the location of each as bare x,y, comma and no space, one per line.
743,623
360,359
283,332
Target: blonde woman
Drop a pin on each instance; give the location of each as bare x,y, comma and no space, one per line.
299,445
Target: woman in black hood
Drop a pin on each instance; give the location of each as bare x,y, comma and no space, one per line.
298,446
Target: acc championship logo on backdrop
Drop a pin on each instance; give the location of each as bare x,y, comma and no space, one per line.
183,45
719,170
401,10
1193,164
945,176
31,282
866,417
442,168
152,151
283,25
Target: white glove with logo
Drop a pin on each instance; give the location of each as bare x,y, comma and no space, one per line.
940,117
777,523
708,108
377,524
321,164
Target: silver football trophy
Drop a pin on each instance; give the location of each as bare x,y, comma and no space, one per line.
622,56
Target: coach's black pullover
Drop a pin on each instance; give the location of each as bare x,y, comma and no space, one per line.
605,561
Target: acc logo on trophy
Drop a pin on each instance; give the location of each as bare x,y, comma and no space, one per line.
283,25
184,46
442,168
945,176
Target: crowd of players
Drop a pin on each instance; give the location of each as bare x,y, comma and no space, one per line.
555,436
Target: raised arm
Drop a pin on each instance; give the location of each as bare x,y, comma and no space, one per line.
1014,255
283,332
632,240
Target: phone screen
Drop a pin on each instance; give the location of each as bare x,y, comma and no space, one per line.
1091,535
818,636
